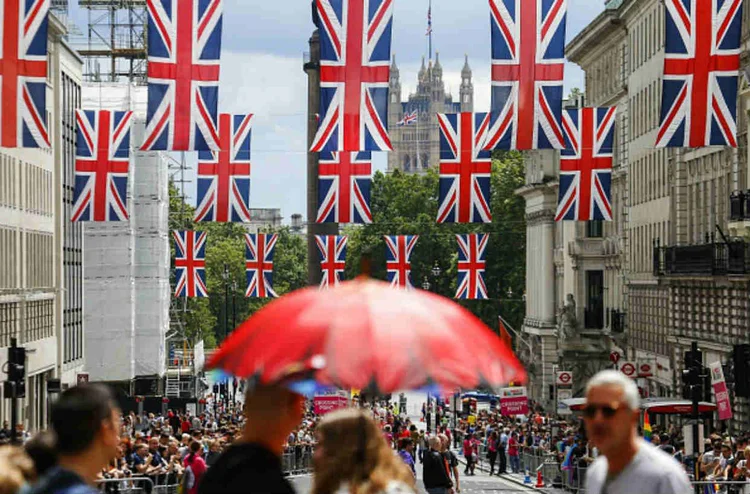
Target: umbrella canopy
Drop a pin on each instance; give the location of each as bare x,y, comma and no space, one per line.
366,335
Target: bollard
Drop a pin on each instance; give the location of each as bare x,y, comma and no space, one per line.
527,478
539,478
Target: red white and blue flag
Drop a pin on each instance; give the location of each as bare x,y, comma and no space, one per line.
586,164
701,66
332,250
344,181
23,74
398,259
190,263
471,266
184,47
355,54
102,164
259,250
224,176
465,168
409,118
528,57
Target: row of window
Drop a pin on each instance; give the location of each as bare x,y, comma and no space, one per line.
708,206
645,108
720,311
649,177
38,321
649,319
37,186
607,75
646,38
38,252
642,244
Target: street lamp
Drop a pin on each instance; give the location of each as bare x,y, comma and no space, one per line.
510,293
426,284
436,270
234,305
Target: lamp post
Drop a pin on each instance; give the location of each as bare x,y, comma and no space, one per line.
426,285
234,305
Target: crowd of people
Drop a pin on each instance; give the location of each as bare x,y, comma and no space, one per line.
92,447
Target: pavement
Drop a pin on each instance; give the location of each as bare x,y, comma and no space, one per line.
481,483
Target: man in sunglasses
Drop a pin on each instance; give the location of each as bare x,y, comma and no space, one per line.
626,464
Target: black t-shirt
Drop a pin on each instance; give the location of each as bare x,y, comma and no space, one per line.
246,468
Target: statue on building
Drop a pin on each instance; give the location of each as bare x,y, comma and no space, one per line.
567,327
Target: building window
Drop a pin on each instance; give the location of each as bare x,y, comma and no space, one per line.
595,229
594,315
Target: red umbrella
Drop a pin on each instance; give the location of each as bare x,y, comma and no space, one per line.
366,335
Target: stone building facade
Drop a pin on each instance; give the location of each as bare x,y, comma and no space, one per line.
41,280
652,280
416,147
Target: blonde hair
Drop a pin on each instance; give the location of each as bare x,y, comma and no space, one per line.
16,468
356,453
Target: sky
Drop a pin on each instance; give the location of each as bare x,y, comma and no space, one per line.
261,73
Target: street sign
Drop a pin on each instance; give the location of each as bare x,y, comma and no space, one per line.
645,369
614,357
514,401
720,391
564,378
562,408
628,368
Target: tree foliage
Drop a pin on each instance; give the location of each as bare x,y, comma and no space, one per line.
407,204
212,318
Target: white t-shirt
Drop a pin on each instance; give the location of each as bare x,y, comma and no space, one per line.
651,470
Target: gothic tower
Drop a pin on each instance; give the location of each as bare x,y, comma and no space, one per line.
467,88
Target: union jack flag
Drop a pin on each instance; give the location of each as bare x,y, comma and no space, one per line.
23,73
224,176
409,118
398,259
465,168
184,47
332,250
101,168
259,248
355,53
586,164
344,188
190,263
528,45
471,265
701,65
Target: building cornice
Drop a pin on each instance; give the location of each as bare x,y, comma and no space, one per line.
540,218
591,36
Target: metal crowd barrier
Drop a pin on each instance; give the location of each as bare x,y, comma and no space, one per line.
721,486
296,463
574,479
130,485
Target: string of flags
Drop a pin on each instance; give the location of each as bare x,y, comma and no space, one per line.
190,263
527,47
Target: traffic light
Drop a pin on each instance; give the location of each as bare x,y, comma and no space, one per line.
741,360
216,389
16,363
691,374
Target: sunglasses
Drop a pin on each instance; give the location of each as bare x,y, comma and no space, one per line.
608,411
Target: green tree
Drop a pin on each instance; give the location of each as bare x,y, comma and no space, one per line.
213,317
407,204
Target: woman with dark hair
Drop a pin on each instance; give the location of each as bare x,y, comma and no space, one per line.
353,457
492,444
195,467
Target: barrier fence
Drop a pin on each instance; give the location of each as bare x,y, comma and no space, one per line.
297,461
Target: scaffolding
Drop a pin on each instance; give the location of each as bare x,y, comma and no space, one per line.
115,48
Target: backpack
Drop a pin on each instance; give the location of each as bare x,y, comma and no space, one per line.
188,479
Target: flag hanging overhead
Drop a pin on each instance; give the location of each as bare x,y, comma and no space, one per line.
355,53
332,250
701,66
409,118
224,176
528,45
184,47
101,167
471,265
398,259
23,74
344,181
465,169
259,250
586,164
190,263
